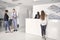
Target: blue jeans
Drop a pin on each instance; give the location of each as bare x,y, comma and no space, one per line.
14,22
7,25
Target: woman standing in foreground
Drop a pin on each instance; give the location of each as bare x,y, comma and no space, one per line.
43,24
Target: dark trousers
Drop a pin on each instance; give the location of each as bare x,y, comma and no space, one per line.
43,30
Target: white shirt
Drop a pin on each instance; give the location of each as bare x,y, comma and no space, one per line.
14,15
44,22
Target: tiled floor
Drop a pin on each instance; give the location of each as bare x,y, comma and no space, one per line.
20,35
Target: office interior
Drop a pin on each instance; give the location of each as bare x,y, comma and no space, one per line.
29,27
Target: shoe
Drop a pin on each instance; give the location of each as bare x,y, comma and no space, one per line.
15,30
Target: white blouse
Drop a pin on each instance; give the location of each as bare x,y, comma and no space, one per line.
14,15
44,22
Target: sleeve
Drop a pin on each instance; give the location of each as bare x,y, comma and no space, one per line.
15,14
47,20
7,16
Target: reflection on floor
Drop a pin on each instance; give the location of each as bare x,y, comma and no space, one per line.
2,29
19,35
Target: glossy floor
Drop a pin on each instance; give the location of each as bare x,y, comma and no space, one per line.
20,35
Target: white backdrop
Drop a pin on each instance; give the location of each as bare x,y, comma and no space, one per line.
45,8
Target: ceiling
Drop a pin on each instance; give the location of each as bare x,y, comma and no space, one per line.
45,1
25,2
19,2
5,4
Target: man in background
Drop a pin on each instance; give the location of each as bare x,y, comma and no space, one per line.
37,16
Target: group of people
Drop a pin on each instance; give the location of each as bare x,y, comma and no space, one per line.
43,22
42,17
14,20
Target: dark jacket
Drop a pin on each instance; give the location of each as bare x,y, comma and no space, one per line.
6,17
37,16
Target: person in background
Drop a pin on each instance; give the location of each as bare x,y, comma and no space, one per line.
44,23
6,22
37,16
14,19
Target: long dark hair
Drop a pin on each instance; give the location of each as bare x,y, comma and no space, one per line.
42,15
